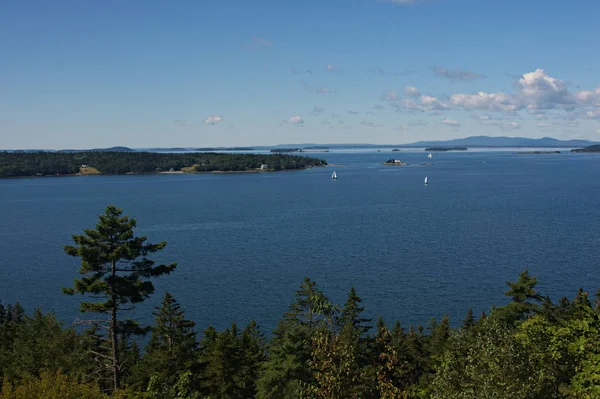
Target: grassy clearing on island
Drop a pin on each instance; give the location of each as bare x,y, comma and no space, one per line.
88,171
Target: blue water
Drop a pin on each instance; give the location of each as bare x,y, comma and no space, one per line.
245,241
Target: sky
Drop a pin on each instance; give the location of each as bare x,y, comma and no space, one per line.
149,73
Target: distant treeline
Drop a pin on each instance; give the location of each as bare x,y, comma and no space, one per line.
66,163
446,149
591,148
531,348
286,150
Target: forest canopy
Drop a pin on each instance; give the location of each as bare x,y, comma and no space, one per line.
20,164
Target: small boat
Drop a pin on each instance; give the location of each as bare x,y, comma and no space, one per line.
334,176
426,180
429,156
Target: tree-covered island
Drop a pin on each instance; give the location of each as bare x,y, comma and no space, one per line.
24,164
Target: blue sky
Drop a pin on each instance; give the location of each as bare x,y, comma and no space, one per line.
81,74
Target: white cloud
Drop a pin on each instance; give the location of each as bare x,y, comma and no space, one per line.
484,117
426,103
500,101
457,74
213,119
537,92
588,97
514,125
353,112
432,103
296,120
543,125
594,114
411,91
331,68
542,91
451,122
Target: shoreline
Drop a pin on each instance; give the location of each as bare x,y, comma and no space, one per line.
216,172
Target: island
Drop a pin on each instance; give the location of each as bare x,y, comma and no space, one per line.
537,152
13,164
446,149
591,148
286,150
395,162
213,149
395,150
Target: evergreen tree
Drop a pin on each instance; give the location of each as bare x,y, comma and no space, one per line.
440,334
305,309
286,368
223,364
524,298
469,320
115,268
40,343
252,347
173,348
351,319
2,314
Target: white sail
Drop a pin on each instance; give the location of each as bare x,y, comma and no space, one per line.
429,156
425,179
334,176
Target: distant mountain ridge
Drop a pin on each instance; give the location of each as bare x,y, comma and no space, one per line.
469,142
487,141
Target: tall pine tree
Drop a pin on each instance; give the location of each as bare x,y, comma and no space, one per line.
116,271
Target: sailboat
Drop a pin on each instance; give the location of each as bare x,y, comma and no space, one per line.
429,156
334,176
425,179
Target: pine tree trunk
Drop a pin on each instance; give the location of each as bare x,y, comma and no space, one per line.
114,337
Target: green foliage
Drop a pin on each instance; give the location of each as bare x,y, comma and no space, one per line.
41,343
524,298
486,363
286,368
15,164
231,361
51,386
172,347
116,270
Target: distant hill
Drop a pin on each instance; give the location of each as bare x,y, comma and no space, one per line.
110,149
486,141
591,148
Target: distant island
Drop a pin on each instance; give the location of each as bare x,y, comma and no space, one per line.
287,150
514,142
591,148
212,149
21,164
537,152
395,162
111,149
446,149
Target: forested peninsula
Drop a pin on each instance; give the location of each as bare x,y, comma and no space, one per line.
531,348
23,164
